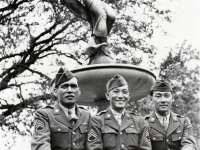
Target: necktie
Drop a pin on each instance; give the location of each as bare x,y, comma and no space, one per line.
72,120
119,119
165,124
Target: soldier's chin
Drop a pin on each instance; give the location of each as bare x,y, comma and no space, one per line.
120,105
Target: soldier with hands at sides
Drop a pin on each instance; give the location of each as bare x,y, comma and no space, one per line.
63,126
117,128
168,131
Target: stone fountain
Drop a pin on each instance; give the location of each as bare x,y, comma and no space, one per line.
101,67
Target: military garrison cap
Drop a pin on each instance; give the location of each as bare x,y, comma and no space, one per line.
116,81
63,76
161,85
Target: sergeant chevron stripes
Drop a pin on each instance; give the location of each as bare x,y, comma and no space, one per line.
40,126
92,135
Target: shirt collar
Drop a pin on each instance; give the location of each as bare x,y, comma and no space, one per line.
161,117
115,113
66,110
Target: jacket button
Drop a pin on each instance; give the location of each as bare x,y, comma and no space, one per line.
154,138
59,129
120,133
167,140
73,133
73,144
179,137
122,145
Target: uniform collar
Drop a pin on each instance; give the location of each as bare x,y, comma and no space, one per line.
160,118
115,113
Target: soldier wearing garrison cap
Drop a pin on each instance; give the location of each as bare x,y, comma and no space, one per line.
117,128
168,131
64,125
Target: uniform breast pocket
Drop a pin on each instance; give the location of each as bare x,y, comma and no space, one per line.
176,135
132,136
156,137
60,137
109,136
83,129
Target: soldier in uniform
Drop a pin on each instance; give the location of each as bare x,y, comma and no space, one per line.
63,126
168,131
117,128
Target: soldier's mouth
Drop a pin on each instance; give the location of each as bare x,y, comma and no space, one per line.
121,100
69,96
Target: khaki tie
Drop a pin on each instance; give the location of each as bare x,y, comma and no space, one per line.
72,120
119,119
165,124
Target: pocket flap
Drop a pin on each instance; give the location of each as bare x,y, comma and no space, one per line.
176,137
157,137
57,128
132,130
108,130
83,129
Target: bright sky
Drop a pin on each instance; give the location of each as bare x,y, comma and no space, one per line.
185,24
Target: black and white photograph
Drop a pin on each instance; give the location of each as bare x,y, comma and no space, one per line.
99,75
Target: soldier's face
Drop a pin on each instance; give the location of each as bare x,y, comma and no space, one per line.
68,92
162,102
118,97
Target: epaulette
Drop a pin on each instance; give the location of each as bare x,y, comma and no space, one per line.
101,112
130,112
48,106
180,116
147,117
82,107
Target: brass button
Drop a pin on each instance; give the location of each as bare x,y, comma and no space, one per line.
73,133
122,145
120,133
59,129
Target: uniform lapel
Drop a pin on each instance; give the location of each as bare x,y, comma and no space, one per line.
60,116
127,121
80,120
155,124
110,120
173,123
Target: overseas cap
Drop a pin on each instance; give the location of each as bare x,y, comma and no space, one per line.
63,76
161,85
116,81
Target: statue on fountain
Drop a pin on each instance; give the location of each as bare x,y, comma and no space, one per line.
101,18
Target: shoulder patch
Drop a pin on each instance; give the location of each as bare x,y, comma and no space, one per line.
39,126
147,136
92,136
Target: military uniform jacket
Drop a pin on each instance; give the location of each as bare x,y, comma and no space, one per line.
106,134
179,135
53,130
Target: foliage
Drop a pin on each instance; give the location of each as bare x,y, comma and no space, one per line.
185,81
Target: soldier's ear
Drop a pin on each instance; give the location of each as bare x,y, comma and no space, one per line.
79,91
107,95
